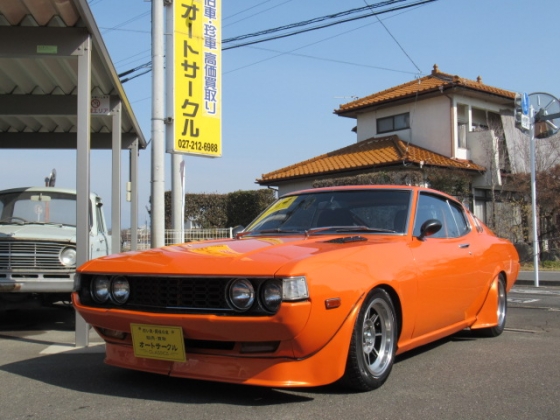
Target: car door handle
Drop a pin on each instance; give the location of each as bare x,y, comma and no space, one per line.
464,245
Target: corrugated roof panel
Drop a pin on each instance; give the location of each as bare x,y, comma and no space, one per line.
56,75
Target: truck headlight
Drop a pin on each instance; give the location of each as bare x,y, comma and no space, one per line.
67,257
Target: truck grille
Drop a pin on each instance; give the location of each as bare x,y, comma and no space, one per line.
30,255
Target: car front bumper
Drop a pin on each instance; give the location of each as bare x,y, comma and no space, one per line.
287,366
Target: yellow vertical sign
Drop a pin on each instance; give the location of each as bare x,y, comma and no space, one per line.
197,78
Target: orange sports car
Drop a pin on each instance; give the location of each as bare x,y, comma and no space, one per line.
325,285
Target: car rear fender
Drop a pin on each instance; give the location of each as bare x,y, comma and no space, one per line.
488,314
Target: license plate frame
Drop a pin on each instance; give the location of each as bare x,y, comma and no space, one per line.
158,342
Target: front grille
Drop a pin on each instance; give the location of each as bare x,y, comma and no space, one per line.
175,295
30,255
178,292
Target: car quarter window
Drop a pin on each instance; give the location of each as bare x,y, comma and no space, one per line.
451,215
459,222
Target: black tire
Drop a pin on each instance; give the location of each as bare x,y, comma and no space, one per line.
373,343
502,312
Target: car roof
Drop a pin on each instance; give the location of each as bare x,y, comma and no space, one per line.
371,187
43,189
364,187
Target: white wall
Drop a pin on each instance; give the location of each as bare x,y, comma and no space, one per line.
483,147
295,186
430,124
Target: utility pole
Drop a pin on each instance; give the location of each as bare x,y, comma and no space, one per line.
158,127
177,162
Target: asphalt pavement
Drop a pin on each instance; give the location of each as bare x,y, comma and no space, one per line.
462,377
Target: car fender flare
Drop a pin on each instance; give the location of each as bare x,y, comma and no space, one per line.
338,344
344,329
488,315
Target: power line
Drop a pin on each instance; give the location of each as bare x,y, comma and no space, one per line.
249,8
344,13
326,25
147,66
395,39
254,14
332,60
128,79
292,52
140,16
308,22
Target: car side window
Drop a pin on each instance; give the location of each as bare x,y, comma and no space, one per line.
460,225
450,214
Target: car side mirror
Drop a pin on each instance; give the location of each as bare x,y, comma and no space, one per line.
429,227
237,230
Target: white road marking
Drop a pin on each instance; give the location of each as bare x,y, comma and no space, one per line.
61,348
522,300
535,291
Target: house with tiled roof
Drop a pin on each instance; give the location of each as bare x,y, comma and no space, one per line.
439,120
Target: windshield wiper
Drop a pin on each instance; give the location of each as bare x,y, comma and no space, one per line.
44,223
348,229
277,230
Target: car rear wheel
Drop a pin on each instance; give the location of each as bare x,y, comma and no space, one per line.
501,312
373,344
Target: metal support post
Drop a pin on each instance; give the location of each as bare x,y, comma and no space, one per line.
83,148
534,198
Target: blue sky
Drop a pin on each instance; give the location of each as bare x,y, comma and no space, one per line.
279,96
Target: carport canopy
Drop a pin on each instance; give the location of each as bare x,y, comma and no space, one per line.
53,61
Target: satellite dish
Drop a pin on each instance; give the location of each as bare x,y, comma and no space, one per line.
547,114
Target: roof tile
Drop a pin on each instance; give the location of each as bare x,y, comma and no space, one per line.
435,81
371,153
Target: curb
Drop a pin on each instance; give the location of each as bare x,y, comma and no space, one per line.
520,282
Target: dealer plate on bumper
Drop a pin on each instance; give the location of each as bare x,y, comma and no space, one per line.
158,342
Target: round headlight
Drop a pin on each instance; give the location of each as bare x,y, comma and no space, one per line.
120,290
100,288
68,257
241,294
271,295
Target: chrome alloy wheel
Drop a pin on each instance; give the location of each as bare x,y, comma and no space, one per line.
502,303
378,335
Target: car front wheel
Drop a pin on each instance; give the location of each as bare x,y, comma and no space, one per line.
373,344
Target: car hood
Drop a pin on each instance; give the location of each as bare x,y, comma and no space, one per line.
245,256
39,232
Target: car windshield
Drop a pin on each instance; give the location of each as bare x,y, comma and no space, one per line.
38,207
368,211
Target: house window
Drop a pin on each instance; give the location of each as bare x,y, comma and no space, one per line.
463,124
393,123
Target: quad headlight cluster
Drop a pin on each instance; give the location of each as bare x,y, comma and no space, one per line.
115,289
242,294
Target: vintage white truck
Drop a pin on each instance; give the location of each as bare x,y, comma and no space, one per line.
38,244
